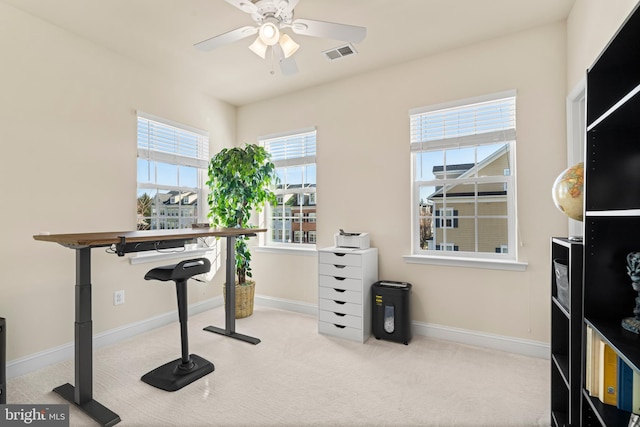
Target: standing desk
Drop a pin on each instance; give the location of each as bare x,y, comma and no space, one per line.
81,395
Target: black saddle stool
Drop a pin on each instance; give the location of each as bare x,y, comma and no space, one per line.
178,373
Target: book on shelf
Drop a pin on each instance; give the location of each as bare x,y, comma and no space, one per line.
593,362
608,375
625,386
588,370
635,399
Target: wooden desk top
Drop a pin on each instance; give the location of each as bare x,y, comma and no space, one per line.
114,237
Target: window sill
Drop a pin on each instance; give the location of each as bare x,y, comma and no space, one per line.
491,264
145,257
287,250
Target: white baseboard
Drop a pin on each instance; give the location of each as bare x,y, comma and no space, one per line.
64,352
463,336
482,339
284,304
39,360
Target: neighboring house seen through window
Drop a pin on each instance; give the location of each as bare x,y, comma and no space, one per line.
172,166
463,178
292,222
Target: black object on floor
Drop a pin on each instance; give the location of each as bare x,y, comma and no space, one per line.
391,311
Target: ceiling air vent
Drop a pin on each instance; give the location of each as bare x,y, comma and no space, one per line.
340,52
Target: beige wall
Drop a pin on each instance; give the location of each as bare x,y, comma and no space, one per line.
364,176
590,26
68,134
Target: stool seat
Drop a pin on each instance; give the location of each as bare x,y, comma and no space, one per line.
178,373
182,270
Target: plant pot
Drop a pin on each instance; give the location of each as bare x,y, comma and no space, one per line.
244,298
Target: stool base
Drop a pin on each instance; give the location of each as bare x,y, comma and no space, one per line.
170,377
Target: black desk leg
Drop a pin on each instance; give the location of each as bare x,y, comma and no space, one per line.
82,394
3,361
230,302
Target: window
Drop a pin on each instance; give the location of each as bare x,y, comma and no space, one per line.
446,218
172,166
463,178
446,247
292,222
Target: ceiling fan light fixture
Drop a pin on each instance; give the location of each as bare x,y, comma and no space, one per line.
289,47
259,48
270,17
269,33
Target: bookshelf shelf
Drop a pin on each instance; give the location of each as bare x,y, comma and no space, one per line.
559,418
612,203
606,415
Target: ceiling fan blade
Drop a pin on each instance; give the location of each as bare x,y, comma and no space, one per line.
226,38
244,5
329,30
288,66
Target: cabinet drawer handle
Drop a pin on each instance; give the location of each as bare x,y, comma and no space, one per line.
339,326
339,314
339,290
339,266
339,302
339,278
339,254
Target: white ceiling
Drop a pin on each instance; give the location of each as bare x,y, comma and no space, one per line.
161,34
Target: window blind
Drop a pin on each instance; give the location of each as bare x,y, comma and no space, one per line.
292,149
472,124
169,143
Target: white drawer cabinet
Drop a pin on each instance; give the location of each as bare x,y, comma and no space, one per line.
344,291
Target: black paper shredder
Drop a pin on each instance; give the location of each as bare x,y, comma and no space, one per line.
391,314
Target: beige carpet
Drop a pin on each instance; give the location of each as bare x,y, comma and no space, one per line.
296,377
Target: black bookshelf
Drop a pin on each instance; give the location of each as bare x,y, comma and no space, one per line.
612,204
566,335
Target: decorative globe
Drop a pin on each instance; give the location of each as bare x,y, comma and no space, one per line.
567,191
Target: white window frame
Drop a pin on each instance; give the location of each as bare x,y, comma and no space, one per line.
284,160
163,149
421,143
576,135
171,155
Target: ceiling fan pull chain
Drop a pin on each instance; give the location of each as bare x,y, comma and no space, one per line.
273,68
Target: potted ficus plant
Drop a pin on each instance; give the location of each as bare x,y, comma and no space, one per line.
240,181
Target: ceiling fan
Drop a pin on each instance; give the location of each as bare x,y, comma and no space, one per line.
273,16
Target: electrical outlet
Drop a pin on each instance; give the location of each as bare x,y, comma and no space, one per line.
118,297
